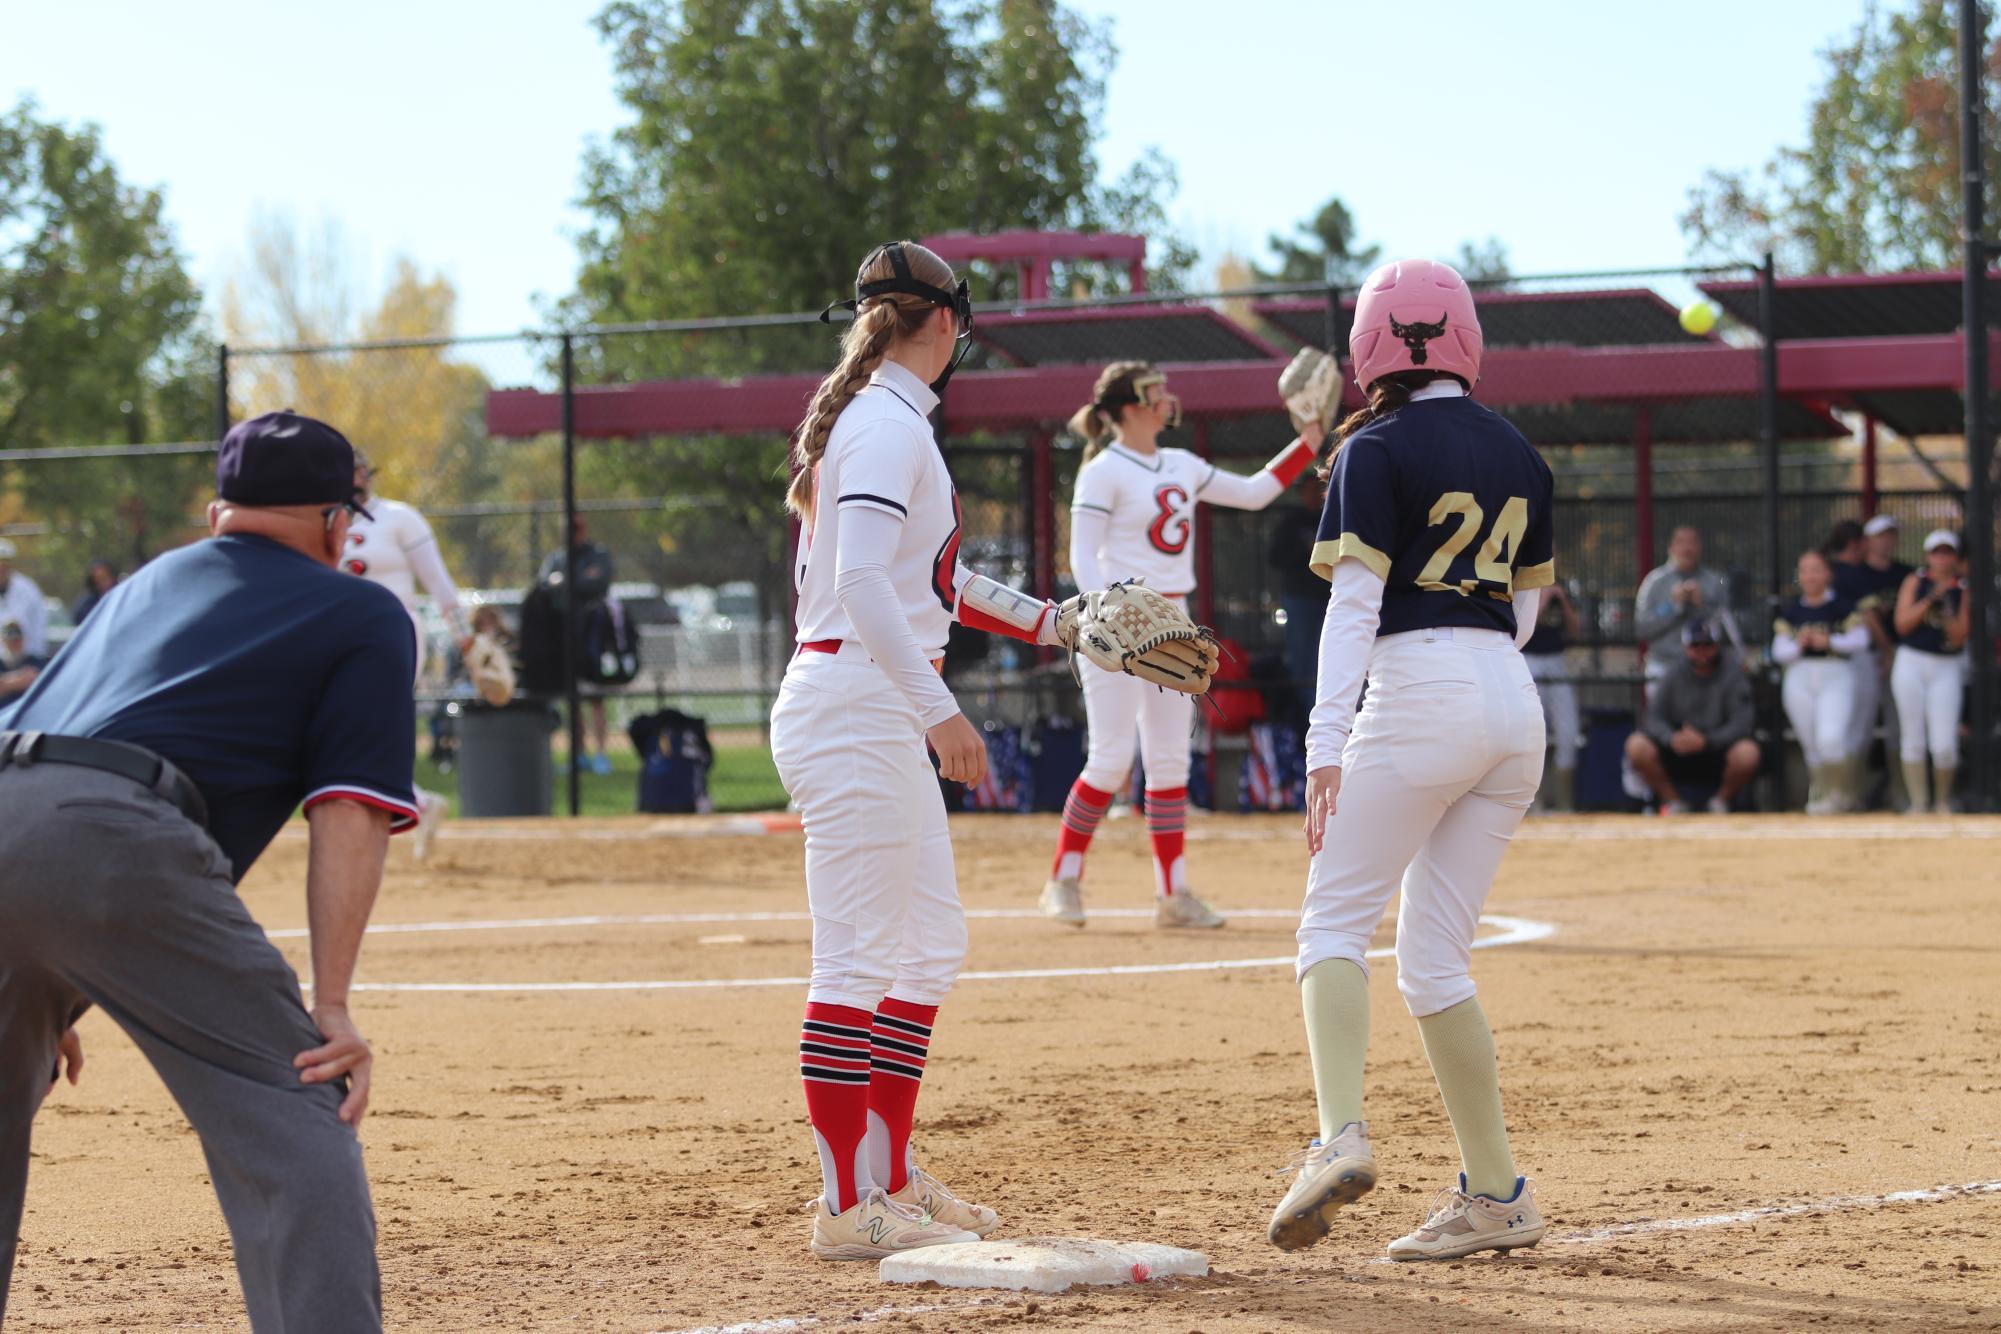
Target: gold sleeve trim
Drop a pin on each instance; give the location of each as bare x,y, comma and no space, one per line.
1326,555
1535,576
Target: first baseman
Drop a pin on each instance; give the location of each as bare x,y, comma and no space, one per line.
210,695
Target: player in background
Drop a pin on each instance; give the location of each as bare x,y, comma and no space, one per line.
1555,627
1436,540
1933,618
879,584
395,548
1133,517
1815,639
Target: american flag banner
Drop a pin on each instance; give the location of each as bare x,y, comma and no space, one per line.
1007,786
1274,775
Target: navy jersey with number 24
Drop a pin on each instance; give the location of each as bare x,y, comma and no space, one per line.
1450,506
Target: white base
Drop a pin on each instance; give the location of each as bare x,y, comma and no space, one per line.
1042,1264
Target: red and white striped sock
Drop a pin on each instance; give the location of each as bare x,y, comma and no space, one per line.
834,1066
1167,823
1081,813
900,1045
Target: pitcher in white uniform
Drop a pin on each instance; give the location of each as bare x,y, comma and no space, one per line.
1133,517
396,548
880,583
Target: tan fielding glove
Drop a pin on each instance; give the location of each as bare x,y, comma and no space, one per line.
492,671
1311,388
1132,629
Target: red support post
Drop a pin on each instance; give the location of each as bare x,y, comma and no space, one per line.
1868,467
1042,519
1643,489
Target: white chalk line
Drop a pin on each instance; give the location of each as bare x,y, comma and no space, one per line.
1512,931
697,918
1643,1227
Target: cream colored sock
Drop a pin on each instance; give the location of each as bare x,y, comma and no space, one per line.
1942,784
1914,783
1335,996
1461,1050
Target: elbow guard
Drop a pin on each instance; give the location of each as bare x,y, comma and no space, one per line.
1293,460
986,605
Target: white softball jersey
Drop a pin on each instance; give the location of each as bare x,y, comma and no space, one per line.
398,550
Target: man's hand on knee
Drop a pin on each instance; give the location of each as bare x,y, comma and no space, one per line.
346,1052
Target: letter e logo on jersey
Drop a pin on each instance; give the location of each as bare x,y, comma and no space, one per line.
356,565
945,568
1415,336
1169,533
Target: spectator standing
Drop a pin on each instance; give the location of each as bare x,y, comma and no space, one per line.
1930,672
1813,639
1844,550
1676,595
1555,627
1882,578
594,578
1301,592
1697,728
99,578
18,667
21,602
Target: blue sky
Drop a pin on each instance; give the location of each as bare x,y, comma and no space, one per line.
452,132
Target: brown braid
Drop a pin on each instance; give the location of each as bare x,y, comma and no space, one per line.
878,324
1110,397
1385,396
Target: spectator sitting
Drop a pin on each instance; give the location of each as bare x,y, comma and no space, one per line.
18,667
100,578
1675,596
21,602
1697,728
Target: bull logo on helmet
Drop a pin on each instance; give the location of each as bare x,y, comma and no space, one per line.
1415,336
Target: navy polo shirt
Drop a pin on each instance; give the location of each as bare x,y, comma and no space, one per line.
1450,506
268,678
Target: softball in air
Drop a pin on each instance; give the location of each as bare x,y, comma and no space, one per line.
1698,318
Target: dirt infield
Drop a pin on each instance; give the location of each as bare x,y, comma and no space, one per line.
1741,1035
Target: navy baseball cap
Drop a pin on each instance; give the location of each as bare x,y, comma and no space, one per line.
1698,632
285,458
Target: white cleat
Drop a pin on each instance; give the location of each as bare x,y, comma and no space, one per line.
1328,1176
1459,1224
1063,901
430,814
1182,909
928,1195
877,1226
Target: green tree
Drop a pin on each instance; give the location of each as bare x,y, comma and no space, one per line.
1483,261
1322,250
100,343
1876,184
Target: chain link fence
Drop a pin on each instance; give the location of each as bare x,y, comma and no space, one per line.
667,442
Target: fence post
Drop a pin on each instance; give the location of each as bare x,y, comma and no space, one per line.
1979,444
1768,430
221,391
572,620
1870,500
1643,490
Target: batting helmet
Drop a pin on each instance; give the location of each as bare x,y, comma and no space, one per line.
1415,315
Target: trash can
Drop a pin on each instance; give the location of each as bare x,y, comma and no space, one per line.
504,764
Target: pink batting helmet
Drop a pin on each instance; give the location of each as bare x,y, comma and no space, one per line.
1415,315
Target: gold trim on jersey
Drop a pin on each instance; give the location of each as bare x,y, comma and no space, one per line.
1326,555
1535,576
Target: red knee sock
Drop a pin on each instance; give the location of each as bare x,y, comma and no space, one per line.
1167,822
834,1065
1081,814
901,1042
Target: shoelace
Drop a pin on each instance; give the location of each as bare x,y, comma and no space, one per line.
1441,1202
906,1212
1299,1160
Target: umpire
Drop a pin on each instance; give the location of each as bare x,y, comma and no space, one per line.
210,695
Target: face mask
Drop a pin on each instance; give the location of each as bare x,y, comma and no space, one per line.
958,301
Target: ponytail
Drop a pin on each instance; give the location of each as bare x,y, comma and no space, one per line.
862,349
1090,424
1385,396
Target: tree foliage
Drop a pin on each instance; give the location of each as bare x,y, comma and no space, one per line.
100,343
1875,186
1321,250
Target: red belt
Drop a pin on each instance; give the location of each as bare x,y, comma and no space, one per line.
834,646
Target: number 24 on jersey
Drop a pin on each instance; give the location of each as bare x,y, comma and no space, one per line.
1493,563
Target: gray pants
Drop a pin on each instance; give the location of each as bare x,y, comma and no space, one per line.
109,896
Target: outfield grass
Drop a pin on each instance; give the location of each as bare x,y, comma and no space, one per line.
743,779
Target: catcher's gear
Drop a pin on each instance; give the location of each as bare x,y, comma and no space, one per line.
1415,314
492,671
1132,629
1311,388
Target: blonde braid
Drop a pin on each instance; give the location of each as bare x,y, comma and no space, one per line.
862,349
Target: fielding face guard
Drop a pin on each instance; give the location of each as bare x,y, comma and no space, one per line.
1415,315
1135,392
958,301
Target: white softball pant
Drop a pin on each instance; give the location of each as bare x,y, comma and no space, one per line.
1559,704
1927,689
879,875
1126,712
1866,698
1819,695
1445,758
